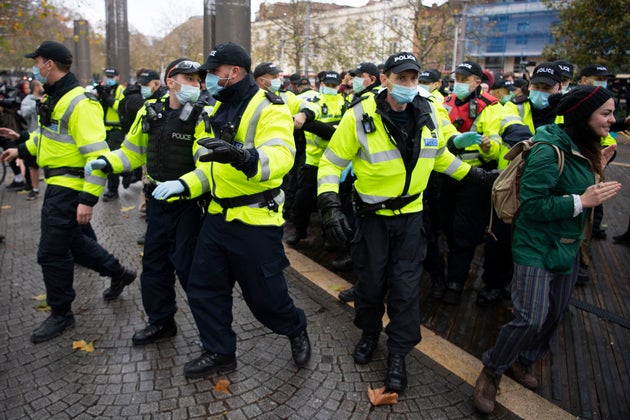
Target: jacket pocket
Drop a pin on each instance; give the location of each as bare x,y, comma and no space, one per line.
561,255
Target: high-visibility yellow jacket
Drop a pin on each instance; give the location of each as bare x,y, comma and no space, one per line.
112,119
331,109
75,136
267,127
378,164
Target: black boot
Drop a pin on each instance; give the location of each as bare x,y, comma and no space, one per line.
346,295
396,373
53,326
342,263
364,350
301,348
153,332
209,363
118,283
453,293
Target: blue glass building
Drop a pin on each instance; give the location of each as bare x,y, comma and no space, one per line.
505,34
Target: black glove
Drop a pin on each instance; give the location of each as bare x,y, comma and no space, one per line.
223,152
478,176
108,100
334,222
100,89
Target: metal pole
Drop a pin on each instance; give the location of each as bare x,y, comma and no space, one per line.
233,23
307,34
209,25
82,52
456,19
117,37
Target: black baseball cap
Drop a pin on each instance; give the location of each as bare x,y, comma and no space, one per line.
503,84
228,53
303,81
53,51
519,83
111,72
369,68
566,68
430,76
595,70
469,68
548,73
295,78
266,68
331,77
147,75
183,66
397,63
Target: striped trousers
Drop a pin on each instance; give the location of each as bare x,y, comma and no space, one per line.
540,299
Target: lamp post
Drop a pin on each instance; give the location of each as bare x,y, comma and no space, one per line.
457,17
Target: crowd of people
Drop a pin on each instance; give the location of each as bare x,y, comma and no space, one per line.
392,156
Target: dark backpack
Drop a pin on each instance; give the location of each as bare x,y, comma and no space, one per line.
129,106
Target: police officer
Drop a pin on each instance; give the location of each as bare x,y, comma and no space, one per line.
71,125
394,141
567,74
466,208
431,81
249,149
163,137
268,78
110,93
331,106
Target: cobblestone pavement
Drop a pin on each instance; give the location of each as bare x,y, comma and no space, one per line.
118,380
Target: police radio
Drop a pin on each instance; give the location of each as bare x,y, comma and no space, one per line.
190,114
44,112
472,109
324,109
368,124
151,115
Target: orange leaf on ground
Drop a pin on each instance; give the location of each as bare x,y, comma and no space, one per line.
82,345
223,386
379,397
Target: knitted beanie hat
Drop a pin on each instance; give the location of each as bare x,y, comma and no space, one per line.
580,102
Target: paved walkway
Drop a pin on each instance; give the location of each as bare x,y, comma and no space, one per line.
118,380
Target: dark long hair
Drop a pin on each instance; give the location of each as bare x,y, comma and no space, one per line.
588,143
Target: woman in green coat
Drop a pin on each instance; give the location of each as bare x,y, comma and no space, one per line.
547,234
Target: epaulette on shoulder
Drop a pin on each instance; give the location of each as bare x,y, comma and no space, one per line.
91,96
273,98
314,98
357,100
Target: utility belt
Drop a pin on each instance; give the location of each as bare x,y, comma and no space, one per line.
263,199
64,170
362,208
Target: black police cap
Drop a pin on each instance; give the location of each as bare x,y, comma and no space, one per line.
400,62
266,68
228,53
53,51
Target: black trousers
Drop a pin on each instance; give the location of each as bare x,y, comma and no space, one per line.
465,211
253,256
63,243
169,244
305,197
387,256
114,140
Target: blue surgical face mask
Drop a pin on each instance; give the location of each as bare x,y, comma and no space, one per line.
600,83
538,99
38,75
275,84
212,83
110,81
425,87
357,85
187,93
461,90
325,90
403,94
146,92
506,98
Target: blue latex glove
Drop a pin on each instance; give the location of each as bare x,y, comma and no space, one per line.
166,189
464,140
344,174
94,164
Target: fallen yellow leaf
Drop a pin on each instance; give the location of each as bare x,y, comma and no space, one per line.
222,385
40,297
6,207
379,397
82,345
338,287
42,307
125,209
